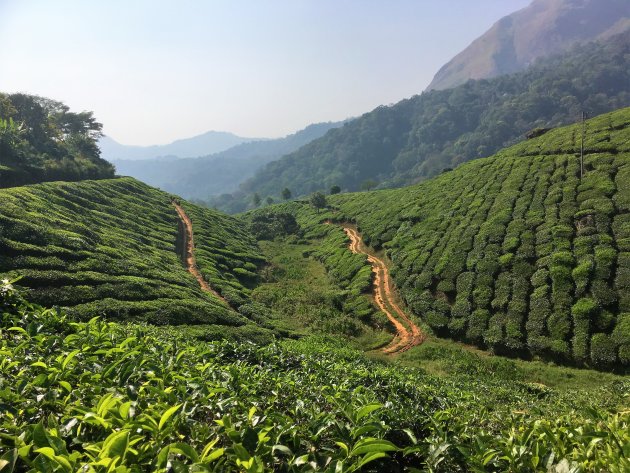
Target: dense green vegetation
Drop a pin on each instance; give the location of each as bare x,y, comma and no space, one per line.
312,283
110,247
100,396
419,137
41,140
517,253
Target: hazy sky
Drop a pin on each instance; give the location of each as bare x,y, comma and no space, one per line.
154,71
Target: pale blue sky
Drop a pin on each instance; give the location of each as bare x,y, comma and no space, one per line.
155,71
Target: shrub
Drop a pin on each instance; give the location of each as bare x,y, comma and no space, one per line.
583,311
603,350
477,325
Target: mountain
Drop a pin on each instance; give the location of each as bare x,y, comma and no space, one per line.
516,253
419,137
199,178
110,247
42,140
200,145
544,28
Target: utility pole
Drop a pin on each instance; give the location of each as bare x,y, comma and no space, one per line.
582,145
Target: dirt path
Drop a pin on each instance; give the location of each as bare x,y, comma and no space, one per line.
408,334
191,263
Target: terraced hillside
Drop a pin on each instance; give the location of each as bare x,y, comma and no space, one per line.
113,248
516,252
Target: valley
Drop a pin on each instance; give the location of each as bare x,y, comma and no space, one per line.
427,329
438,285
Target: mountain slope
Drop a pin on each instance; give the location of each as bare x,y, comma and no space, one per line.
111,248
200,145
199,178
515,252
543,28
419,137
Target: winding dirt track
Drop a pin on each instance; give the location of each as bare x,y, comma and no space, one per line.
191,262
408,334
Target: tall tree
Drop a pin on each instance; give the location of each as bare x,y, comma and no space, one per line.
286,193
318,200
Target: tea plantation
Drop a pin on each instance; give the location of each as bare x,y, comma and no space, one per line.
99,396
517,253
110,248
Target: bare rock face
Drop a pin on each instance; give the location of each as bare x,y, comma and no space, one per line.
543,28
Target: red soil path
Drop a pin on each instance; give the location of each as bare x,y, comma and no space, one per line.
191,263
408,334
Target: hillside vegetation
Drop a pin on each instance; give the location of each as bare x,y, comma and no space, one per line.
516,252
42,140
96,396
113,248
419,137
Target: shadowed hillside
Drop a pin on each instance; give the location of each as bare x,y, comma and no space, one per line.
418,138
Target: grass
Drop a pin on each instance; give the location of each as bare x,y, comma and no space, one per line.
297,288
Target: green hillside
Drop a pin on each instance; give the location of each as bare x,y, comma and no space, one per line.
419,137
110,247
515,252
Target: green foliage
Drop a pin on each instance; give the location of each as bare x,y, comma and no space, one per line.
113,248
318,201
269,225
41,140
514,252
98,396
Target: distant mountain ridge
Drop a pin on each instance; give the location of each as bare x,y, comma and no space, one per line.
543,28
200,145
218,173
424,135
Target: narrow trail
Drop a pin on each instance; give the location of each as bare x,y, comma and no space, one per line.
189,246
408,334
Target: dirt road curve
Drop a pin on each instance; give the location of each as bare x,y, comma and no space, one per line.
191,263
408,334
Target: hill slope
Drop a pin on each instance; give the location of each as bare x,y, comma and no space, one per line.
543,28
516,252
110,248
199,178
200,145
419,137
